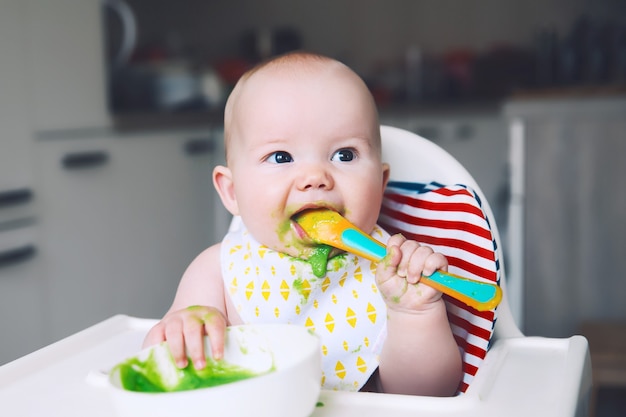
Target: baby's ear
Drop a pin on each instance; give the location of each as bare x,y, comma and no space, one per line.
223,182
386,173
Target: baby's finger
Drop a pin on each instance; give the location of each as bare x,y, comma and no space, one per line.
416,260
434,262
396,240
406,267
176,342
194,342
215,327
155,336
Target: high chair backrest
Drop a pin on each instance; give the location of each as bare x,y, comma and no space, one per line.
432,198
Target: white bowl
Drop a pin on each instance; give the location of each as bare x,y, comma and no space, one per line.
286,356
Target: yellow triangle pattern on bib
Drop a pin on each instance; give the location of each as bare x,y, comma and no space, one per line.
343,308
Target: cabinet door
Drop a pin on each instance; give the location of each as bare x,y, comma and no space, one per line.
21,284
574,237
122,218
15,163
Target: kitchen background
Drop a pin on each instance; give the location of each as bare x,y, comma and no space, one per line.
110,123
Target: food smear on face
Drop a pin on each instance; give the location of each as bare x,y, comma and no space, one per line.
319,260
147,375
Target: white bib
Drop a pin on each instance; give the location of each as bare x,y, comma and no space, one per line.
344,308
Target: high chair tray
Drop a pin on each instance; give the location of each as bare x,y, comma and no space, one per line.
519,377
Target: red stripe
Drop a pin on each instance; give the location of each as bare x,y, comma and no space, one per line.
443,241
462,387
437,206
470,327
470,349
469,369
473,269
439,224
486,253
457,244
475,351
449,191
487,315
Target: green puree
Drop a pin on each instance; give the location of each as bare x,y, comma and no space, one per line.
319,260
144,376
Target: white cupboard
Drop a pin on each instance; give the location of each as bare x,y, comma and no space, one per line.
123,216
570,176
15,162
21,283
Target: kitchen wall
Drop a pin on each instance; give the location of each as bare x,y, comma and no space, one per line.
427,50
366,32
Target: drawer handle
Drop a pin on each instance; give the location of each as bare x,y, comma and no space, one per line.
16,255
83,160
195,147
15,197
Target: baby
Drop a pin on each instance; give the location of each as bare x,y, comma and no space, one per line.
302,131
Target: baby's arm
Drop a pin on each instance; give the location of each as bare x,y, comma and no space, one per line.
420,355
198,309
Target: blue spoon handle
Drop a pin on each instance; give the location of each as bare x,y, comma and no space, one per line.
480,295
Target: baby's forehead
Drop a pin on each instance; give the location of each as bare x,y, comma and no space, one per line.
299,81
291,74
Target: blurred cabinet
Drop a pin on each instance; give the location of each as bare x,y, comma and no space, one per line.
21,282
122,218
15,159
570,169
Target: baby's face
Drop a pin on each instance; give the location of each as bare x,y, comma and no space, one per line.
302,140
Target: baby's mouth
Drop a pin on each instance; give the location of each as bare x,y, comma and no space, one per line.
314,251
301,233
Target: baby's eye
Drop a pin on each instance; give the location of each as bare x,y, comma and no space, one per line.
343,155
279,157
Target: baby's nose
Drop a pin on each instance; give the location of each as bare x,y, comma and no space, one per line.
315,177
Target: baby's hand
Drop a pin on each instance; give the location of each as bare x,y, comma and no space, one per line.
398,274
184,331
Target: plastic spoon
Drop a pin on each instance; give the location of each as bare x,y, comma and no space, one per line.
329,227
